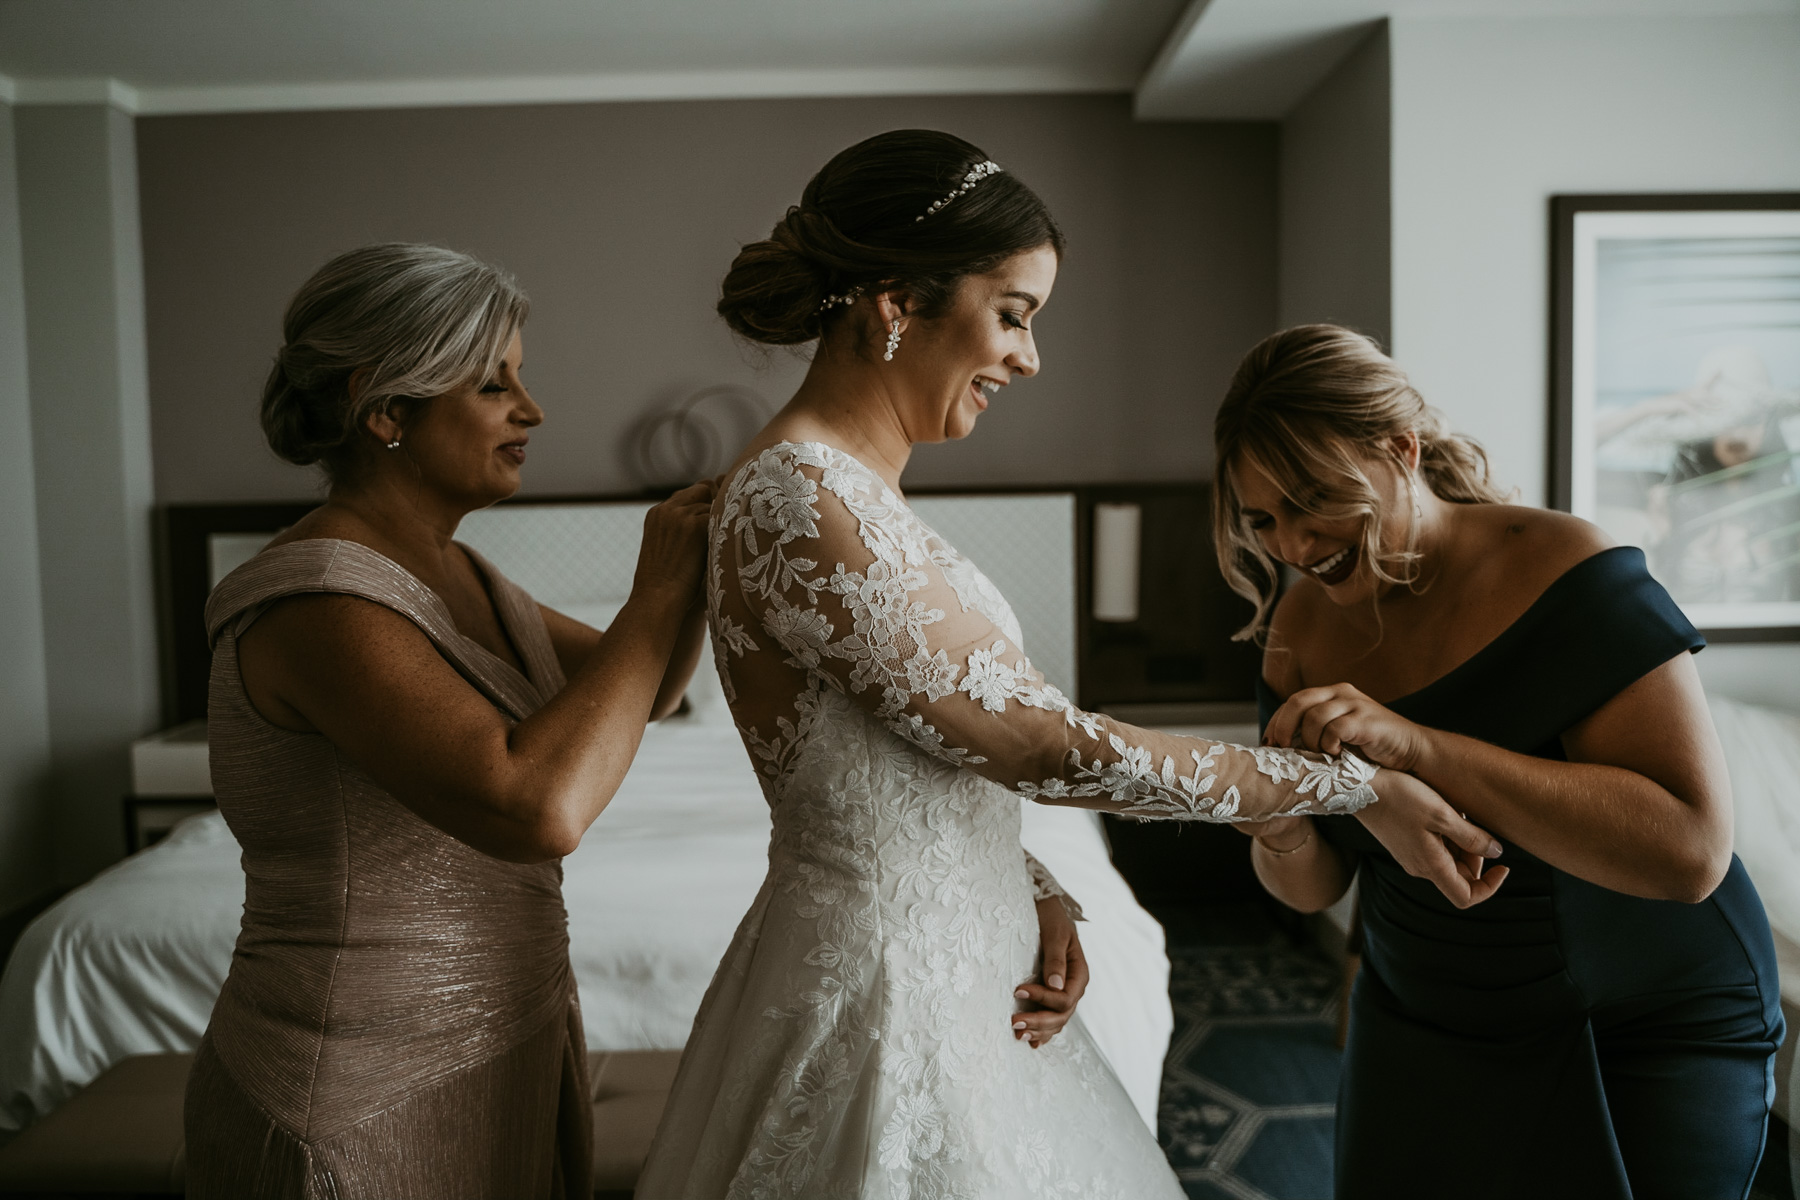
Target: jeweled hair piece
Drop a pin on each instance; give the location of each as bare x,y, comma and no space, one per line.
977,173
846,298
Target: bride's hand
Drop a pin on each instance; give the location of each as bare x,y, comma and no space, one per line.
1431,840
1064,979
1328,719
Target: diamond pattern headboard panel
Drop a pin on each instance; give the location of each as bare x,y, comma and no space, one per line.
579,556
1026,545
583,556
565,555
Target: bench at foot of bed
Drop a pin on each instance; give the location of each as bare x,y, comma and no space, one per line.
121,1135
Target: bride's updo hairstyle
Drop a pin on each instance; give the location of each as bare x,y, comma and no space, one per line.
1313,406
867,220
410,321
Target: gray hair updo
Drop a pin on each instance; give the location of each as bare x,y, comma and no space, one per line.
416,321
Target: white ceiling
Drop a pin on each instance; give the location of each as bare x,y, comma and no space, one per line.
198,54
1255,59
1185,58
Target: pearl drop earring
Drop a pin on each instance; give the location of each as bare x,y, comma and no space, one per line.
893,342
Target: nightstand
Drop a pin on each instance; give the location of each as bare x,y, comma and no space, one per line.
170,780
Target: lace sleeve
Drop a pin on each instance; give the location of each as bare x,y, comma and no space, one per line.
1044,886
840,576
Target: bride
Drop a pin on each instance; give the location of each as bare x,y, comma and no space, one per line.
861,1037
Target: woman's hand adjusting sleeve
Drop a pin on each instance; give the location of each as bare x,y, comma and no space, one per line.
1329,719
1426,836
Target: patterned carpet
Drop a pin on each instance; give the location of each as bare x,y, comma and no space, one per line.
1249,1089
1250,1086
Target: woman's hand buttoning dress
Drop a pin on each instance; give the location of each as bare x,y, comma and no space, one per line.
405,745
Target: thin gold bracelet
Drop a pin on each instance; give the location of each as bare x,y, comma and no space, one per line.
1295,849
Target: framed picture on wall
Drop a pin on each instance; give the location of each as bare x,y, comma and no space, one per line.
1675,385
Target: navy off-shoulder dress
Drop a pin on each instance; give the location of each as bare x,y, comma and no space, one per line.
1559,1040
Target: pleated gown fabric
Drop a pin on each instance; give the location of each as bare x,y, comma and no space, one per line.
400,1018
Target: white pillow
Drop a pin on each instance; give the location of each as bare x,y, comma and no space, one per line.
598,613
1762,752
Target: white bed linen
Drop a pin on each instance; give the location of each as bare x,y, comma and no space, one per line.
1762,749
131,962
1762,746
128,963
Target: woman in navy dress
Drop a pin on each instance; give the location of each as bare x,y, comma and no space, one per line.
1604,1027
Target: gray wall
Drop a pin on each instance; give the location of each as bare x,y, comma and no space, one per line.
84,318
1492,116
620,220
25,848
1335,202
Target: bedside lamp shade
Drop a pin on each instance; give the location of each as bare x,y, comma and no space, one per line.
1117,539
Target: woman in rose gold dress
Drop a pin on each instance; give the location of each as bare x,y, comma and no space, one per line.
406,745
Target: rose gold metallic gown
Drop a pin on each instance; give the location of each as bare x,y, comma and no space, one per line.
400,1019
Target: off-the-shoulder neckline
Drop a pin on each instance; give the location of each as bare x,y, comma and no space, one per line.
1498,644
491,579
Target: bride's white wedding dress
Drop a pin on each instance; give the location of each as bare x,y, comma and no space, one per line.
856,1040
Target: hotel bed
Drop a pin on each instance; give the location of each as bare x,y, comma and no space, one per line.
1762,746
130,962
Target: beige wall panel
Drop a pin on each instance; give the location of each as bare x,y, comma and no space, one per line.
620,219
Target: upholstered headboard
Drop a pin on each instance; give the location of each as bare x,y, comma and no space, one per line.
577,554
581,556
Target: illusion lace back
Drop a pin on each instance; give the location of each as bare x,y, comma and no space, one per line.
400,1020
855,1041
